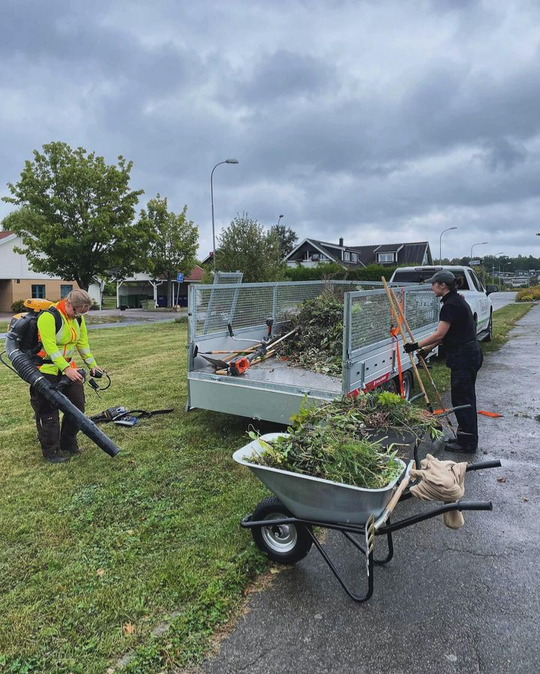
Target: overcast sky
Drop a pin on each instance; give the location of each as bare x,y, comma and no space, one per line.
373,121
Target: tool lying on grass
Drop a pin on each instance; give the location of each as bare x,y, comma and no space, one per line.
124,417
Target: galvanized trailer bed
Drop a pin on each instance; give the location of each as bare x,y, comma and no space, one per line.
282,526
272,390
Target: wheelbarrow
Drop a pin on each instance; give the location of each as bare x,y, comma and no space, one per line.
282,525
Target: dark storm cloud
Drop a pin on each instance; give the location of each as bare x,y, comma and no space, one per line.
378,120
287,75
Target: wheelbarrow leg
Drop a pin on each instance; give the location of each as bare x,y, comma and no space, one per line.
390,542
368,552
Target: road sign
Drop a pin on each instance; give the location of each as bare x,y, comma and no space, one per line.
474,263
179,278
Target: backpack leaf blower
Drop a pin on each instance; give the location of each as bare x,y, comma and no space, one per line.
24,366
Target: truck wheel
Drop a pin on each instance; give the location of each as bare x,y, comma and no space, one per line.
283,543
489,334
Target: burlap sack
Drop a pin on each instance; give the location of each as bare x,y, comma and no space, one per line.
441,481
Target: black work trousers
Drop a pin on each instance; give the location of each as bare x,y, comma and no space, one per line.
464,363
52,437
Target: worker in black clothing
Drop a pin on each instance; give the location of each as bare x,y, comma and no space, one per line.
457,333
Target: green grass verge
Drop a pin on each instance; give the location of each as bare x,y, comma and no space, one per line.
504,320
96,553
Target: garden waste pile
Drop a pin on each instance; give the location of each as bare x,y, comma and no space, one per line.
335,442
318,341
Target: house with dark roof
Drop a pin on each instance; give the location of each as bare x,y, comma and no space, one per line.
311,252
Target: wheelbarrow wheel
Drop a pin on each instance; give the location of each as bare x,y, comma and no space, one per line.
283,543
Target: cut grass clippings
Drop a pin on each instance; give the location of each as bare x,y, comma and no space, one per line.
96,553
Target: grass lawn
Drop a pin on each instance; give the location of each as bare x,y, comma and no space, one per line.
98,553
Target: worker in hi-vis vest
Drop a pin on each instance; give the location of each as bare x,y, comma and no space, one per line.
61,330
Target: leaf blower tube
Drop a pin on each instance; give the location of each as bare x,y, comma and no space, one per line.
25,368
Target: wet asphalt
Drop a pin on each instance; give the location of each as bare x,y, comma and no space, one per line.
450,601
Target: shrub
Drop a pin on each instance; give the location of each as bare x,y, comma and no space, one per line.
18,306
333,271
528,294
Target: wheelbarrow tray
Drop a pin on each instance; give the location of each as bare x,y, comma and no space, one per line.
313,498
404,438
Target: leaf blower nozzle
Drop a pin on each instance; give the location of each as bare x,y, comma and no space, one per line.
25,368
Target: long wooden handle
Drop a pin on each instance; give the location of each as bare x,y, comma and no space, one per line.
397,495
411,357
422,359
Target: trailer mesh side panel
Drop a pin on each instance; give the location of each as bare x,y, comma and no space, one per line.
370,318
421,308
252,304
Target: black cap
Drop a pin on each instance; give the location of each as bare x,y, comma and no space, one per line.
443,276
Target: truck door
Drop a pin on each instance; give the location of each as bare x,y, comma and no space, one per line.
482,303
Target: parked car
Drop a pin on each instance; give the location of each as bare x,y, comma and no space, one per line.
472,290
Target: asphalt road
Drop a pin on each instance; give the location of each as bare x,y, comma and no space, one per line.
499,300
450,601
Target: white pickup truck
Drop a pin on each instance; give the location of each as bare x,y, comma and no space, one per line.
472,290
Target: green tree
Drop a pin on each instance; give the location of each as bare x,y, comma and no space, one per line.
245,246
287,238
75,215
174,240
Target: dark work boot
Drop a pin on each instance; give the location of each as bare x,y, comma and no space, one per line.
70,446
68,441
454,446
56,458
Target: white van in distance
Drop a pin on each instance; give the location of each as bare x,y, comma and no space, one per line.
472,290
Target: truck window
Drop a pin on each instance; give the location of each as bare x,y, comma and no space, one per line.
420,276
476,282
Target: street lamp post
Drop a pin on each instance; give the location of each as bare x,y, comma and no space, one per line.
493,268
440,242
281,216
227,161
483,243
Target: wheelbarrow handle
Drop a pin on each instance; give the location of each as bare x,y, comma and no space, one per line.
483,464
474,505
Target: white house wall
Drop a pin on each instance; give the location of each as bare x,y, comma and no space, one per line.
14,265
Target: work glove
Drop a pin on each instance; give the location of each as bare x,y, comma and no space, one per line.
411,346
423,353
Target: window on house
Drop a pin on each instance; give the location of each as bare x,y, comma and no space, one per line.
346,256
38,292
65,290
386,257
354,257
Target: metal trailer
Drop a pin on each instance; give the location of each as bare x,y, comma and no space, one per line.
273,390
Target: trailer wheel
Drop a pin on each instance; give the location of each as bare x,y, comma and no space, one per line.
393,385
284,543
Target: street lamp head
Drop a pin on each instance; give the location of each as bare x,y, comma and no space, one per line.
232,161
452,228
281,216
